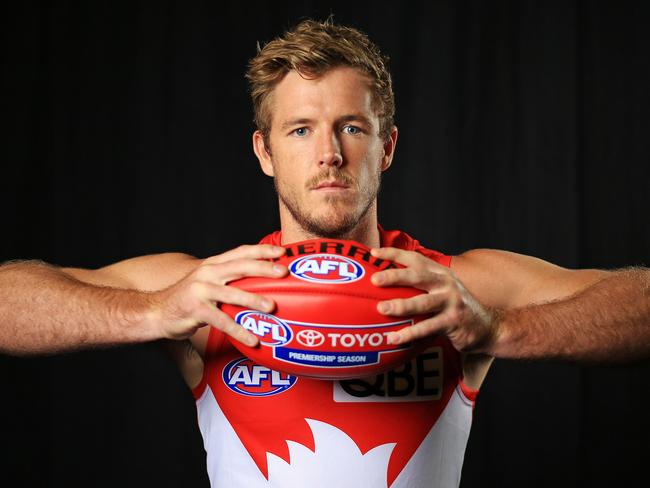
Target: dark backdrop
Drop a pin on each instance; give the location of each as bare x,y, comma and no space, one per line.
523,126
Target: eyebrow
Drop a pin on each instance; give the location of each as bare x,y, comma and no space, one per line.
346,118
292,122
356,118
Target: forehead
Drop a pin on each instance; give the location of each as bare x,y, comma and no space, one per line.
339,92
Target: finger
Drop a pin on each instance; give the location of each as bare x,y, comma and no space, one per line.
429,280
418,305
211,315
247,251
411,276
429,327
391,277
240,268
209,292
405,258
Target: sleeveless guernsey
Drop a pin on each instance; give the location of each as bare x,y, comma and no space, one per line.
405,428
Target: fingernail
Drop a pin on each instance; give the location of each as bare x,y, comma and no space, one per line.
251,341
277,269
393,338
266,304
384,307
378,278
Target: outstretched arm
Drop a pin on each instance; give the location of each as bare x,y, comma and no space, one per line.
44,309
508,305
607,321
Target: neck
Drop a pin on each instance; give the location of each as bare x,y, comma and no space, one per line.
365,232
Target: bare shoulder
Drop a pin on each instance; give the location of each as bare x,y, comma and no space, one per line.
506,279
147,273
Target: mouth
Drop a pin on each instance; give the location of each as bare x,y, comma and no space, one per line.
331,186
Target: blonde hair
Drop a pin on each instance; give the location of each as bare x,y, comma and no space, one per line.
312,48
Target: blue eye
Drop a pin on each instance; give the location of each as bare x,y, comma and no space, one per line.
352,130
300,131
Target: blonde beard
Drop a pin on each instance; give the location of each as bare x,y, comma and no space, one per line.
326,225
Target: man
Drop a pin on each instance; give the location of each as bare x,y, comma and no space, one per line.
324,112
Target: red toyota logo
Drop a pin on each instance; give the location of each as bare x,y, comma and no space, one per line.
310,338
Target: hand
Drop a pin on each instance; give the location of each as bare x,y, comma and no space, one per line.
191,303
456,314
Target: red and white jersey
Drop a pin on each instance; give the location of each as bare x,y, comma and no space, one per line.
405,428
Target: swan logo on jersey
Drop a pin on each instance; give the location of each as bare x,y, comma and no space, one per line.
271,330
245,377
326,268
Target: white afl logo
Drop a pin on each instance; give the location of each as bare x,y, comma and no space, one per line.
271,330
326,268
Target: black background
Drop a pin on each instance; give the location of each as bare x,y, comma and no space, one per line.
523,126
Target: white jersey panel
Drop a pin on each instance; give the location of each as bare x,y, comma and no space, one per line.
336,460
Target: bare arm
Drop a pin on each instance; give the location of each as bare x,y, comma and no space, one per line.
508,305
545,311
607,321
44,309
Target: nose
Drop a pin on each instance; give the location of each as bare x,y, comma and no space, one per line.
330,150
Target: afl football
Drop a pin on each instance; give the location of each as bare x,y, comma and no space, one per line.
325,324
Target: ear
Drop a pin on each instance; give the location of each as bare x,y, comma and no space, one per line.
389,149
262,153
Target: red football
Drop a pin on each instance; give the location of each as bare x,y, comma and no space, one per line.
326,324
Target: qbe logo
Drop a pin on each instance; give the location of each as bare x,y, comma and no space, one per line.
245,377
326,268
310,338
271,330
419,380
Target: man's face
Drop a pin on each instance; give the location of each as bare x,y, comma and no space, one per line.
325,154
